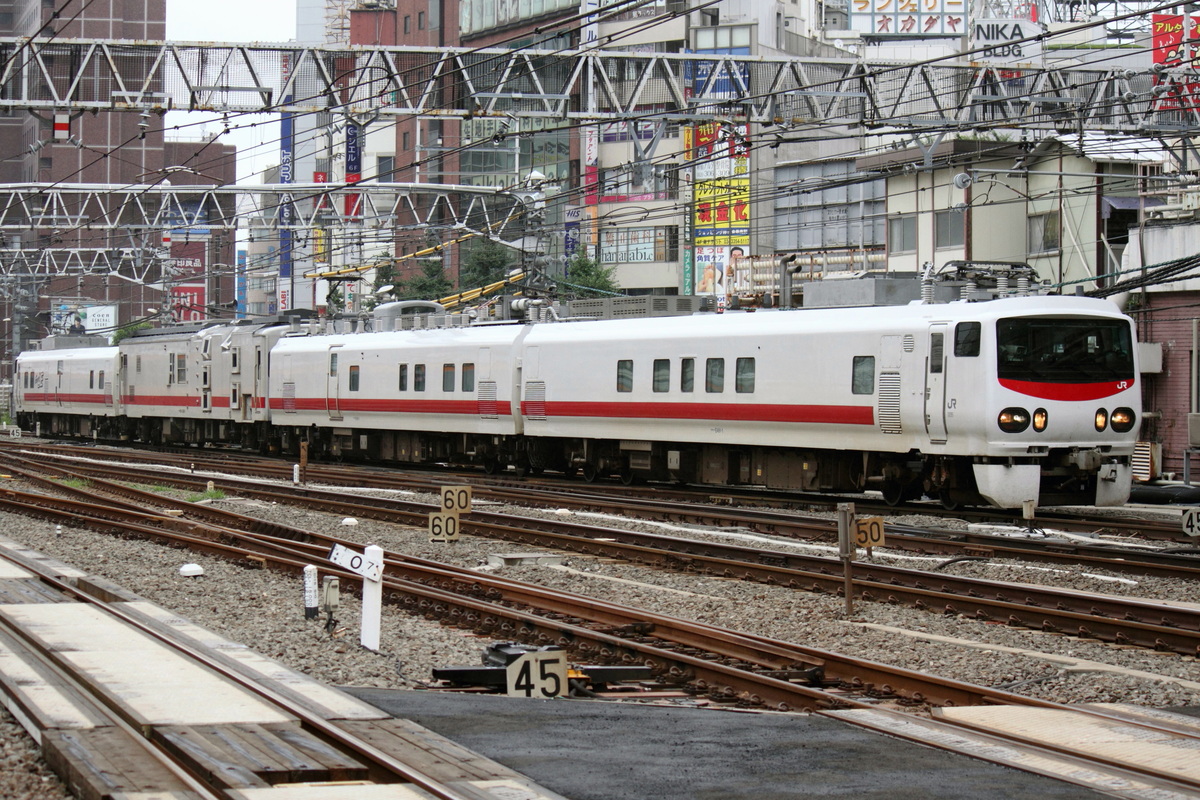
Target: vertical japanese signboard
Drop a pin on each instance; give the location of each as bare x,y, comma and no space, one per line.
1179,85
720,155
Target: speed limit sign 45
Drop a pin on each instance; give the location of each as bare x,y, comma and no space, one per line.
1191,522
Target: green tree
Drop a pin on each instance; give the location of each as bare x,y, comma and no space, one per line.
586,277
431,284
385,275
484,262
128,330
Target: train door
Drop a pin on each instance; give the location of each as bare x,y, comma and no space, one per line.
332,399
935,384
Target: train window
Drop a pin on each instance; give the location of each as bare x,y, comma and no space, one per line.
333,365
403,385
966,339
662,375
937,356
235,360
354,378
91,379
687,375
743,380
468,378
625,375
862,378
181,368
714,376
101,381
447,377
418,377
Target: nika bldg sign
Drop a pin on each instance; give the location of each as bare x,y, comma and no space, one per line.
1006,42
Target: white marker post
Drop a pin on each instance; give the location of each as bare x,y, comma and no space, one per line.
370,566
372,601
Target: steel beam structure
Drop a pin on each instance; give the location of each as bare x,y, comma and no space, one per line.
581,86
67,208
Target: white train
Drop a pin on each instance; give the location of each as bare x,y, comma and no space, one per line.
1032,398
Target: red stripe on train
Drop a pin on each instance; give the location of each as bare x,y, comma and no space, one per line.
1067,391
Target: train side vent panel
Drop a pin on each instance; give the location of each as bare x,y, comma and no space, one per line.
910,344
1147,456
535,400
889,402
487,400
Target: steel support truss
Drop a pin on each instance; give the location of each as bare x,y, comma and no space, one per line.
582,86
130,220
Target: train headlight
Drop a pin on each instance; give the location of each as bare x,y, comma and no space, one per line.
1013,420
1123,419
1101,419
1040,418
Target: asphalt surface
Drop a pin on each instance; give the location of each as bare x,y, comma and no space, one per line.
593,750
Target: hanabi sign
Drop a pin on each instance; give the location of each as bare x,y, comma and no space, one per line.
909,18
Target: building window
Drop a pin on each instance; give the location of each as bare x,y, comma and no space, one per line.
714,376
625,375
468,377
447,377
902,234
404,142
407,24
743,381
1043,233
950,228
418,377
420,20
862,379
385,168
662,375
687,375
354,378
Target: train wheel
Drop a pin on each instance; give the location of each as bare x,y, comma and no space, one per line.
893,493
626,476
491,466
949,502
590,473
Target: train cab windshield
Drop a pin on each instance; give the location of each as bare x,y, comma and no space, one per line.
1064,349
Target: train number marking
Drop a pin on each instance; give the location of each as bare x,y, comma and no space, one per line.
1191,521
540,674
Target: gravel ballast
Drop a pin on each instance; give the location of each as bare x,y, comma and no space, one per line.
264,610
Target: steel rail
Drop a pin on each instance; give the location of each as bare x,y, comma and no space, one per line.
1119,620
429,588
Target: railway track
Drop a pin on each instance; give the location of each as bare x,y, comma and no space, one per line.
127,701
682,507
727,666
1155,625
